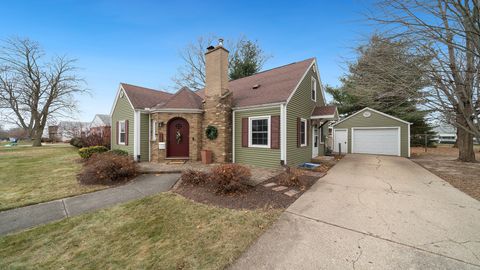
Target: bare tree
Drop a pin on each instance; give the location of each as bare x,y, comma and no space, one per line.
245,58
33,90
449,32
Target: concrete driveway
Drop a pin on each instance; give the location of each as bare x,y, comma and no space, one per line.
373,212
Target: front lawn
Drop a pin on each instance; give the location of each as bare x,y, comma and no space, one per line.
165,231
443,162
31,175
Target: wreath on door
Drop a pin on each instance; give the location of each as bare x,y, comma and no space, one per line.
211,132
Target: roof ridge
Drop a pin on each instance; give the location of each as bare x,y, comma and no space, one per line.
146,88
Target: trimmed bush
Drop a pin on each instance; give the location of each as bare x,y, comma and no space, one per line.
107,168
291,178
87,152
230,177
194,177
78,142
119,152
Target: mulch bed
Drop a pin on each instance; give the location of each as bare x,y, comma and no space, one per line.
253,198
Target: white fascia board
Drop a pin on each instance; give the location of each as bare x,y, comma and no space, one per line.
173,110
256,107
300,81
120,89
367,108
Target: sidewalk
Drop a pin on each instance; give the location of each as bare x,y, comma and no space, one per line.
34,215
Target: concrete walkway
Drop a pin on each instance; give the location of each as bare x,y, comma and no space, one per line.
34,215
373,212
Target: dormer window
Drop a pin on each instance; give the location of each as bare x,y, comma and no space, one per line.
314,89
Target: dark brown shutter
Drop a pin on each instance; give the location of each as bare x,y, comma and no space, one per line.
298,132
126,132
116,132
244,132
275,133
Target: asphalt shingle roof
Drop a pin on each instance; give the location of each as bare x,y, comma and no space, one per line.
270,86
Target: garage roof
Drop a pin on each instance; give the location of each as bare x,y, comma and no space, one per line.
379,112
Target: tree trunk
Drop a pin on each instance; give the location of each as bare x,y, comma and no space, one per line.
465,142
37,138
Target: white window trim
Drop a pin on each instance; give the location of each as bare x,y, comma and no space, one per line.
119,132
305,135
314,82
268,117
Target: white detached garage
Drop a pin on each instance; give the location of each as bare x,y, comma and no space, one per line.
369,131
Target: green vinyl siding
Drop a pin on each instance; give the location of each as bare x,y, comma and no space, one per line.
301,105
263,157
122,111
375,120
144,137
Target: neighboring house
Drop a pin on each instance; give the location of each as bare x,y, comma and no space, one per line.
369,131
271,118
66,130
100,125
445,134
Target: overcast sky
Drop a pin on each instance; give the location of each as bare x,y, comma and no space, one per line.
138,42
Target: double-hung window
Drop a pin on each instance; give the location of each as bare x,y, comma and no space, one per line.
303,132
314,89
259,131
121,132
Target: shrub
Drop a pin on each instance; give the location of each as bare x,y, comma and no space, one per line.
97,139
194,177
77,142
230,177
119,152
87,152
107,168
291,178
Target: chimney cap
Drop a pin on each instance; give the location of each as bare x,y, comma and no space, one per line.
220,42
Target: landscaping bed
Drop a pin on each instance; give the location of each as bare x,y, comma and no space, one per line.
257,197
442,161
272,193
164,231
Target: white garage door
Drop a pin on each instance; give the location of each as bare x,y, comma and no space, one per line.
381,141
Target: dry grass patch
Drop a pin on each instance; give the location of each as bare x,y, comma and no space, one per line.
165,231
30,175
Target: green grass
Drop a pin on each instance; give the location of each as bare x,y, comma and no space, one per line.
31,175
164,231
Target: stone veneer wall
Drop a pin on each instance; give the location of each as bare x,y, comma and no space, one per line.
195,137
218,113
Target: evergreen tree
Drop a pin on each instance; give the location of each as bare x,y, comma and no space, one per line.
388,78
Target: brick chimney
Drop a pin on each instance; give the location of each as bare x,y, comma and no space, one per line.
216,69
218,104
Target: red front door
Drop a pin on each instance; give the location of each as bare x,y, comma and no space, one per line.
177,138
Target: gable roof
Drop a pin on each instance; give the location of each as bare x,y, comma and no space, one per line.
275,85
142,97
105,118
323,111
183,99
379,112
